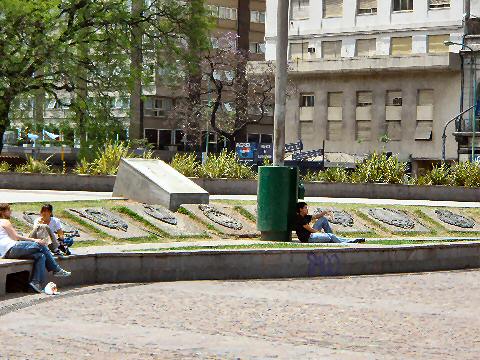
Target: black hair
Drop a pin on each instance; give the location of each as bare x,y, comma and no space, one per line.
47,207
300,205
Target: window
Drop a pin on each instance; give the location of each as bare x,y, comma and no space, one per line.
402,5
334,116
307,100
257,16
401,45
179,137
164,137
332,8
227,13
393,115
299,9
364,98
266,138
367,7
438,4
298,50
366,47
253,138
423,130
257,48
394,98
162,104
331,49
152,136
436,43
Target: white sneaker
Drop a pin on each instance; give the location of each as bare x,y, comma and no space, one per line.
62,273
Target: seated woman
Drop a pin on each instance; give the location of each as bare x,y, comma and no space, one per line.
14,246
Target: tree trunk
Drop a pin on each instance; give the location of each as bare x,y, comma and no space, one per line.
136,59
243,31
4,120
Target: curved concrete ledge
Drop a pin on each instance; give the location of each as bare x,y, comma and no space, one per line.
256,264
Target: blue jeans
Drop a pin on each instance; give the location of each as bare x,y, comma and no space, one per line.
40,254
327,236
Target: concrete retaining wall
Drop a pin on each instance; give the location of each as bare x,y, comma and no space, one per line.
248,187
341,190
69,182
258,264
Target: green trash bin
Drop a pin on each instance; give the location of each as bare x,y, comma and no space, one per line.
277,196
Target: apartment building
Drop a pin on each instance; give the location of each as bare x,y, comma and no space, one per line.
373,75
163,132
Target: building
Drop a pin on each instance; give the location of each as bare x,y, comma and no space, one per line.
164,133
373,75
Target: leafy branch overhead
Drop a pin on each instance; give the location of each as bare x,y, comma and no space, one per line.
74,49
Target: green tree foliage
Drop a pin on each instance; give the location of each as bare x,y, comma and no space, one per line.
82,48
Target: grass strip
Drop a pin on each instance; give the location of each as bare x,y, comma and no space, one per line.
192,216
245,213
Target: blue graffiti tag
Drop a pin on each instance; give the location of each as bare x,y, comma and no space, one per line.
323,264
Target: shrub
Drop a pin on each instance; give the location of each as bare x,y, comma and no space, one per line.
186,164
439,175
225,165
329,175
4,167
35,166
465,174
107,160
378,168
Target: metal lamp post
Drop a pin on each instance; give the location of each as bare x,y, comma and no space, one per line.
473,70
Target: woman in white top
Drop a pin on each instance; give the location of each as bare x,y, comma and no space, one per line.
14,246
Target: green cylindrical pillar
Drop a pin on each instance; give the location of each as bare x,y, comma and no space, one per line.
277,197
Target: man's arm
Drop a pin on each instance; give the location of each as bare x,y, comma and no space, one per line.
309,228
321,214
60,233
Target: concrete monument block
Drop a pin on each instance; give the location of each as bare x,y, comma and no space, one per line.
155,182
109,223
174,224
224,219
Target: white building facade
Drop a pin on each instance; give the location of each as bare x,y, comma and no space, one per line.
373,75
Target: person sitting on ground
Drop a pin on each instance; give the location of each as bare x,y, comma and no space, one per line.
14,246
314,234
55,225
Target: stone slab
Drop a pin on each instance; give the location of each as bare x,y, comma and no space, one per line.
430,212
83,235
155,182
133,231
185,226
358,225
248,228
418,226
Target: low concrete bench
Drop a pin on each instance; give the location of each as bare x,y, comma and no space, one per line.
14,275
104,268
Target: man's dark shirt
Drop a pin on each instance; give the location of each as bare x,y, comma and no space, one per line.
302,233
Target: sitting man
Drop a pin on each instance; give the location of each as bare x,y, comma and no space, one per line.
307,233
56,230
14,246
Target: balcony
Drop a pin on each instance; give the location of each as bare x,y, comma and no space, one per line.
414,62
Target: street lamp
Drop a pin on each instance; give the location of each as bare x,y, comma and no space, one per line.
473,70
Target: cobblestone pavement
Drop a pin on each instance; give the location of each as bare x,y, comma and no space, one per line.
410,316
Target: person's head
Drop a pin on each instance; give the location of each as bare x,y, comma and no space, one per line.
302,208
5,211
46,211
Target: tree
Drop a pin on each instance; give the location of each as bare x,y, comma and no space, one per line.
81,48
222,90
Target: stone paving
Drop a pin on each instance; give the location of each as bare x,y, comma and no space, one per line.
408,316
